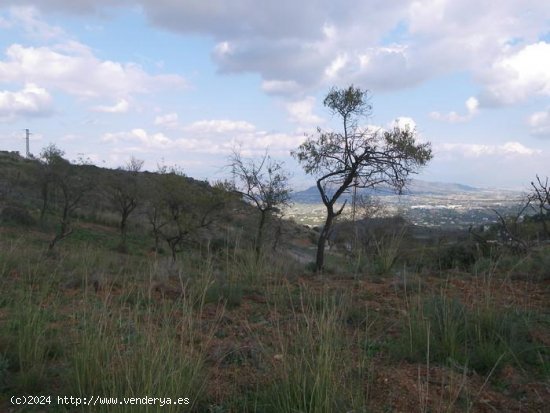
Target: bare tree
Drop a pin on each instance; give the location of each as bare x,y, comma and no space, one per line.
72,184
356,156
264,184
540,197
124,192
511,230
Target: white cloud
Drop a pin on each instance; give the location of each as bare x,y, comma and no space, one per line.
540,123
301,112
219,126
220,136
518,75
78,7
149,140
280,87
297,47
122,106
479,150
334,68
5,24
214,136
72,68
31,101
30,20
169,120
472,105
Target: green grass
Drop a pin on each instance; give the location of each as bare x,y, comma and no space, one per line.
137,353
317,341
482,338
311,373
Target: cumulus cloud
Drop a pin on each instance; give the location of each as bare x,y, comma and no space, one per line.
79,7
281,87
30,101
148,140
29,19
301,112
219,126
169,120
297,47
4,23
518,75
213,136
73,69
479,150
122,106
539,123
472,105
360,43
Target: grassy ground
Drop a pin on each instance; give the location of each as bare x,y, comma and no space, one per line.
235,335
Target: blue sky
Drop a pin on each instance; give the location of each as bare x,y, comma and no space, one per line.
184,82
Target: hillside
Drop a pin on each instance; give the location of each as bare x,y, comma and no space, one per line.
178,305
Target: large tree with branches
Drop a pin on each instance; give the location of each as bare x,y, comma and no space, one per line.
357,156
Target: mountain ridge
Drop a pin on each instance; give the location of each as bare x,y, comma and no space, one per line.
414,187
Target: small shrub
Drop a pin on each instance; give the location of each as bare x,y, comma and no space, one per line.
230,293
311,374
4,371
483,338
17,215
462,255
28,347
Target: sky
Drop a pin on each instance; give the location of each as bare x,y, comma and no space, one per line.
185,82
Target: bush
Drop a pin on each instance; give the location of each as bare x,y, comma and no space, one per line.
462,255
483,338
17,215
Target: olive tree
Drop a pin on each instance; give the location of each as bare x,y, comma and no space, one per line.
71,182
182,207
264,184
356,156
124,192
51,162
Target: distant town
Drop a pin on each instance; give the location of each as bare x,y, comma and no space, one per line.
439,208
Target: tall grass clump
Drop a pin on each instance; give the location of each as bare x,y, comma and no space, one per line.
387,250
314,368
27,340
483,338
138,352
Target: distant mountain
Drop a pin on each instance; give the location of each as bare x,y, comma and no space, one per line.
414,187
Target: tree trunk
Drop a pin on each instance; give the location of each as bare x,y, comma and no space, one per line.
259,235
173,248
44,201
322,240
544,224
123,231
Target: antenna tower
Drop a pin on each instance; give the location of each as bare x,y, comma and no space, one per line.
27,135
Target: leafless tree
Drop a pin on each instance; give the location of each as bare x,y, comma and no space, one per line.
540,197
124,192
